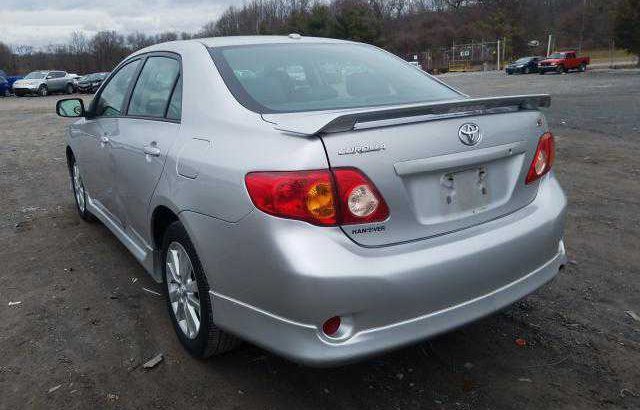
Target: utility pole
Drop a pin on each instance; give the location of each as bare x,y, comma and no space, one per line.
453,52
612,47
498,55
549,45
504,50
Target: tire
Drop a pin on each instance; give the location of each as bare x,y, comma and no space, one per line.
79,192
7,93
69,89
527,70
43,91
560,69
541,72
582,68
205,339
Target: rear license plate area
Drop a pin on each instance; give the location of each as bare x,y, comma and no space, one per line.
465,192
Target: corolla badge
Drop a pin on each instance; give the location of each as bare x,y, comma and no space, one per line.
469,134
362,149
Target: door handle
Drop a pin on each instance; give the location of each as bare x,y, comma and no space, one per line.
152,150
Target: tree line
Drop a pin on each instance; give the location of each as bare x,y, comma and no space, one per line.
400,26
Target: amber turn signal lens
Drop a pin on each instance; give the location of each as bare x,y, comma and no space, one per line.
320,201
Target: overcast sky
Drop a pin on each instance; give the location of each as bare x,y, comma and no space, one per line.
42,22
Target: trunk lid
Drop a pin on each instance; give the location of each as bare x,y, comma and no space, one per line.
432,182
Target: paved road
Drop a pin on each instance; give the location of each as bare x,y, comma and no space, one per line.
86,325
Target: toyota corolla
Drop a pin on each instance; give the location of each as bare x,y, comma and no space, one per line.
323,199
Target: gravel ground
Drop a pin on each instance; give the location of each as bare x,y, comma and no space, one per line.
85,325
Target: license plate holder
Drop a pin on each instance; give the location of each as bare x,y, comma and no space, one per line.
465,191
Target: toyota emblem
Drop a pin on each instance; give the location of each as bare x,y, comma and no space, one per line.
469,134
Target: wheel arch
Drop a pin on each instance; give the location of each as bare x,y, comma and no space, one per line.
161,217
71,158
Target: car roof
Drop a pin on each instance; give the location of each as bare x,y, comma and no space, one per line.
247,40
213,42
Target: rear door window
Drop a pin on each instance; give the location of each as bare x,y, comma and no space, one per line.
152,92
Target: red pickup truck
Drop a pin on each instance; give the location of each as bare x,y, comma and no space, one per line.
563,61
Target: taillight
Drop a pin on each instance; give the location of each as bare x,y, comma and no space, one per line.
360,202
320,197
305,195
543,158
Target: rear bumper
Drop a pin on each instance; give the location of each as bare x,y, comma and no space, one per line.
275,281
305,343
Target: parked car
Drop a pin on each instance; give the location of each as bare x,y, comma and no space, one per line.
5,86
74,80
562,62
43,83
5,89
524,65
13,78
91,82
323,222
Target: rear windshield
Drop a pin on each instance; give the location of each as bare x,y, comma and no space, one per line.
271,78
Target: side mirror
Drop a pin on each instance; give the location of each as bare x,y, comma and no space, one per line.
70,107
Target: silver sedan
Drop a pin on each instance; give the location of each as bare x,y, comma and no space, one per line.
321,198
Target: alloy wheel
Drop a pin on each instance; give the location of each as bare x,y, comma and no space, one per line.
78,188
183,290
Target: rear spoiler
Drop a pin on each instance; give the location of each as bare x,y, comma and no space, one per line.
346,120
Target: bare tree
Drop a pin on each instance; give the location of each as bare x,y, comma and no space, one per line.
78,43
108,48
